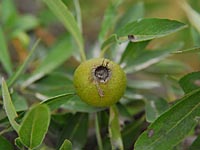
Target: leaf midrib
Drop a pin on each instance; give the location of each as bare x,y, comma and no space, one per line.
32,128
174,126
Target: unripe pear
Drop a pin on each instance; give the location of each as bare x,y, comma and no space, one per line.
99,82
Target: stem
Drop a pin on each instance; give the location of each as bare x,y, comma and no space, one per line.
79,22
114,129
78,14
98,136
82,53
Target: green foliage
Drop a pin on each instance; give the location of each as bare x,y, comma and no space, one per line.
65,16
4,55
9,107
67,145
147,29
34,126
4,144
169,129
39,107
190,82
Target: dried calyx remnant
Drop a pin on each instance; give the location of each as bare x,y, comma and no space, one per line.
101,74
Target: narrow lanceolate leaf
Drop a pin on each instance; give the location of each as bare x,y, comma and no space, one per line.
57,101
23,67
149,57
4,55
133,13
190,82
109,20
114,129
150,28
132,51
193,16
9,107
65,16
75,104
34,126
98,135
61,52
108,42
67,145
173,126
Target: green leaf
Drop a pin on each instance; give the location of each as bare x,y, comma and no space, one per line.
60,53
26,23
4,55
9,13
109,20
22,36
56,83
149,57
114,129
143,84
75,129
19,102
190,82
154,108
193,16
5,144
172,126
195,36
135,12
65,16
78,13
98,133
34,126
75,104
19,144
23,66
150,28
169,66
132,51
9,107
108,42
56,101
67,145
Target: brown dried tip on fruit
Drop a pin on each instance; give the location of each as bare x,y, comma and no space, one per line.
99,82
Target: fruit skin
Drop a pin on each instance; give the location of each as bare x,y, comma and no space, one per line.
94,92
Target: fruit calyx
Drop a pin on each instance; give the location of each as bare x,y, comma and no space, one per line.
102,74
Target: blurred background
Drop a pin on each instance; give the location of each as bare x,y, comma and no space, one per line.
41,23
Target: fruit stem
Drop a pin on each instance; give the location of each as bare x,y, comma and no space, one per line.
79,22
82,53
98,135
78,14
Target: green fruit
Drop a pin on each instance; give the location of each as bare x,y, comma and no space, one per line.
99,82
